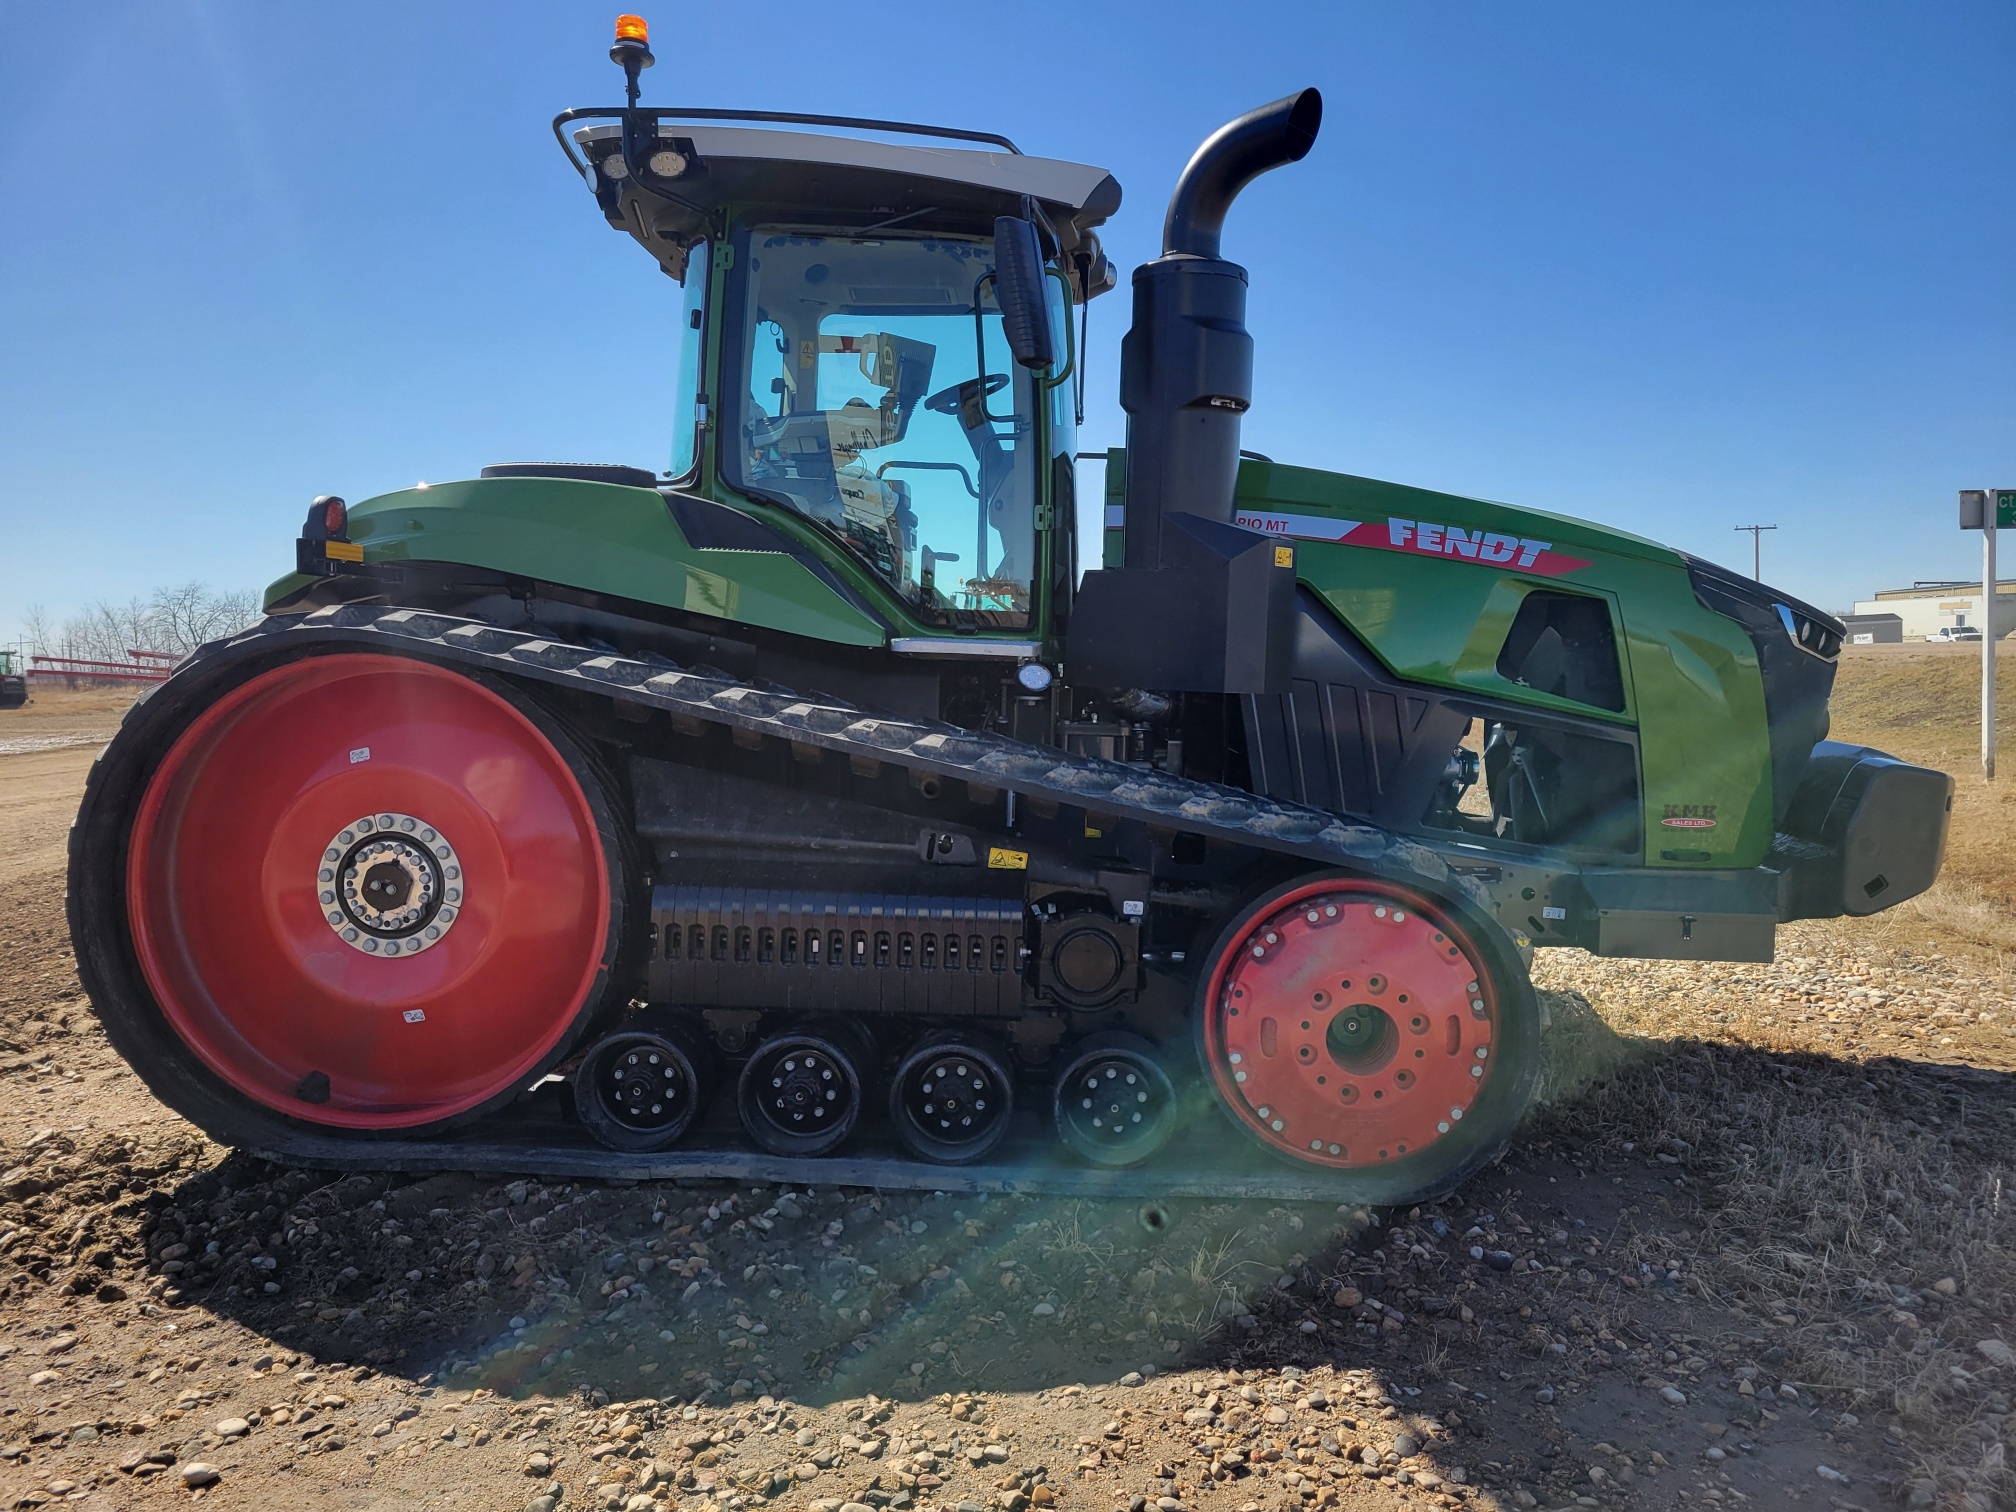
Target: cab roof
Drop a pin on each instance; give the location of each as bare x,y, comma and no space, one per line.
853,180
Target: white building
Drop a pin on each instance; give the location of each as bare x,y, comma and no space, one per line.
1926,607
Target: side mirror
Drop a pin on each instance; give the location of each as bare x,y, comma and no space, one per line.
1024,297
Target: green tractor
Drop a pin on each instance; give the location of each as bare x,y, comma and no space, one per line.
805,813
13,685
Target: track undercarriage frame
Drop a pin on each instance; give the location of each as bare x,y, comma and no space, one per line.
1194,874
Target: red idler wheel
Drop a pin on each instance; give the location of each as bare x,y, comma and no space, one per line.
372,893
1356,1025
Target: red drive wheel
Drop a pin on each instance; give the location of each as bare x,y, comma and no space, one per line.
1358,1026
372,893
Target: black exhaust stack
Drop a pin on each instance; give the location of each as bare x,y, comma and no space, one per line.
1202,605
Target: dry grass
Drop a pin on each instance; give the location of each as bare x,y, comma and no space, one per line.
1969,914
1220,1281
1924,704
1065,1238
49,704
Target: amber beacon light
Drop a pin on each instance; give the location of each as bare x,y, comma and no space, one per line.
632,49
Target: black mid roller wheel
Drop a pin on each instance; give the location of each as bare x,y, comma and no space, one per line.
950,1099
801,1092
641,1088
1114,1103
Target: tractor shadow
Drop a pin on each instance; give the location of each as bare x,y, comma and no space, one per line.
1661,1190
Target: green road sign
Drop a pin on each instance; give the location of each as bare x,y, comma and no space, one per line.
2005,509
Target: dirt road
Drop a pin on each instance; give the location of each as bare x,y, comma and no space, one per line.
1753,1252
47,747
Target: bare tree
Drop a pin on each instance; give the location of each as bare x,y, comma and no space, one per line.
104,632
181,619
174,621
38,630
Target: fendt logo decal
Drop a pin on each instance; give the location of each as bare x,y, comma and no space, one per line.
1689,816
1421,538
1430,539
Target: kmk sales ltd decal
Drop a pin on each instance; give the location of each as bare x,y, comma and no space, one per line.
1421,538
1689,816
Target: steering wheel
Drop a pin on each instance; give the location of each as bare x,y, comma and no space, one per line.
947,401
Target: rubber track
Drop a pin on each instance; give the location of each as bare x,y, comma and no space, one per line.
529,1139
1038,772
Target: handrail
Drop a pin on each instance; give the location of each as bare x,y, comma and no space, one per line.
964,476
779,117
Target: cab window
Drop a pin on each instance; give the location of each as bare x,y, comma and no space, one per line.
874,394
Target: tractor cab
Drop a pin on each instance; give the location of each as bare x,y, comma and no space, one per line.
856,359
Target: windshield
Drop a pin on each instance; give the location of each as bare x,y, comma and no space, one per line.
878,397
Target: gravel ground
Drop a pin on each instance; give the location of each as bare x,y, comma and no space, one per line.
1843,989
1682,1288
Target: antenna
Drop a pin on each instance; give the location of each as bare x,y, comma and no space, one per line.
1757,548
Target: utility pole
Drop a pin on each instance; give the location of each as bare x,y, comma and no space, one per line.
1984,509
1756,548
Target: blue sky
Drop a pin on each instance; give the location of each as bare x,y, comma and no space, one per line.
1677,269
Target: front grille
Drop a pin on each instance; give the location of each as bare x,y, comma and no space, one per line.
1797,646
1819,634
